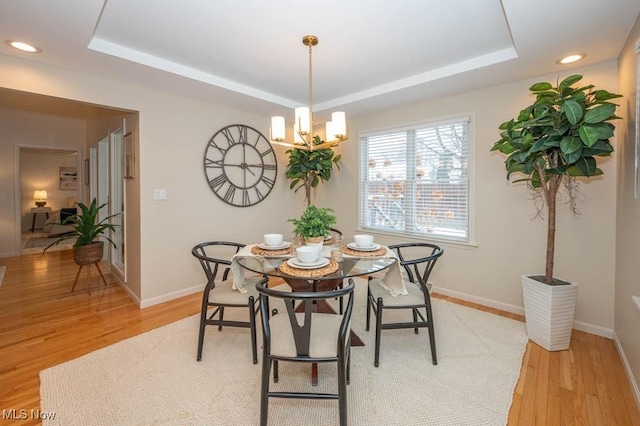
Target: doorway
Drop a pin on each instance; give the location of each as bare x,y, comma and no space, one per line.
56,176
106,184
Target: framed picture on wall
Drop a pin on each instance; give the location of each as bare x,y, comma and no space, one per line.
68,178
87,170
129,156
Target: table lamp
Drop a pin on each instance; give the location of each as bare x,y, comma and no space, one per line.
40,196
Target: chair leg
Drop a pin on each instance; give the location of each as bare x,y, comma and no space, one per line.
415,319
221,318
432,337
264,391
368,310
252,326
379,309
275,371
348,363
203,319
342,390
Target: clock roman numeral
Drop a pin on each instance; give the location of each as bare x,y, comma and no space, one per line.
267,152
258,193
245,197
213,144
243,138
268,181
218,181
214,164
228,197
227,133
269,167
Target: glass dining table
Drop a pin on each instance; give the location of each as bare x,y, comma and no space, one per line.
310,280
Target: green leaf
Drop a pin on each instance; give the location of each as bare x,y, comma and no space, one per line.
574,156
572,110
569,81
570,145
599,113
588,135
538,87
587,166
603,95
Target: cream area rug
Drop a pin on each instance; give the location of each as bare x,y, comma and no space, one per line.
154,378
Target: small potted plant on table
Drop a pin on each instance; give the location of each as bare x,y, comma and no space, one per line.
314,224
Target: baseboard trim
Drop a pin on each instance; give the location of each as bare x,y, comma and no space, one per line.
170,296
514,309
10,254
627,368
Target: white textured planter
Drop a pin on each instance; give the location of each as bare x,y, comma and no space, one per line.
549,312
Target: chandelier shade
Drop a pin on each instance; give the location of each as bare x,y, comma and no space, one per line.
335,130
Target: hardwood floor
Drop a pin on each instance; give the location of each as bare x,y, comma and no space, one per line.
43,324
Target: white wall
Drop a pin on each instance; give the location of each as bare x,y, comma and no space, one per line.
172,138
508,242
627,314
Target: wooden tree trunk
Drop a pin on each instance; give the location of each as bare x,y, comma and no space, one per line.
551,198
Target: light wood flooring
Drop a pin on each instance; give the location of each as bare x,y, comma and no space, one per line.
43,324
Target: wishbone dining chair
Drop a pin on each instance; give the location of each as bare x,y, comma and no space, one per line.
219,294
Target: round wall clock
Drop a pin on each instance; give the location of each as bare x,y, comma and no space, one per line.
240,165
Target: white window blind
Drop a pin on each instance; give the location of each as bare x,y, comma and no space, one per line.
415,181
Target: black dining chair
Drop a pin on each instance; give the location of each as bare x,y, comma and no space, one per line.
418,260
219,294
336,233
301,335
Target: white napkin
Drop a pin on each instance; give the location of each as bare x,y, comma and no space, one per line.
393,280
238,271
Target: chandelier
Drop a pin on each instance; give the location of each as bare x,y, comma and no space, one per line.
336,129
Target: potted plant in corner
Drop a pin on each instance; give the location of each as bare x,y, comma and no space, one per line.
314,224
552,142
87,228
307,168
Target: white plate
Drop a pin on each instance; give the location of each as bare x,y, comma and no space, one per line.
373,247
283,245
295,263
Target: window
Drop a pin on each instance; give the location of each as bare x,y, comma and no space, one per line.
415,181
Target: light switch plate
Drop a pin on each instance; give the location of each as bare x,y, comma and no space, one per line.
159,194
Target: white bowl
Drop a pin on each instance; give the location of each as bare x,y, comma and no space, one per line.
308,254
363,240
272,239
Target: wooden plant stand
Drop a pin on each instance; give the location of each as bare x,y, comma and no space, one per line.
86,256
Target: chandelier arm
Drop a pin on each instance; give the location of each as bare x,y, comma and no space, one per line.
310,141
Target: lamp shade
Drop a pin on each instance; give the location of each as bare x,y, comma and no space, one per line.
277,128
40,195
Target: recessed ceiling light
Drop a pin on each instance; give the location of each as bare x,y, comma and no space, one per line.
574,57
25,47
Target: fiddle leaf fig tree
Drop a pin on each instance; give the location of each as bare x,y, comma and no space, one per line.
557,138
307,168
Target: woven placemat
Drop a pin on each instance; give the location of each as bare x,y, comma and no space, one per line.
357,253
262,252
309,273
